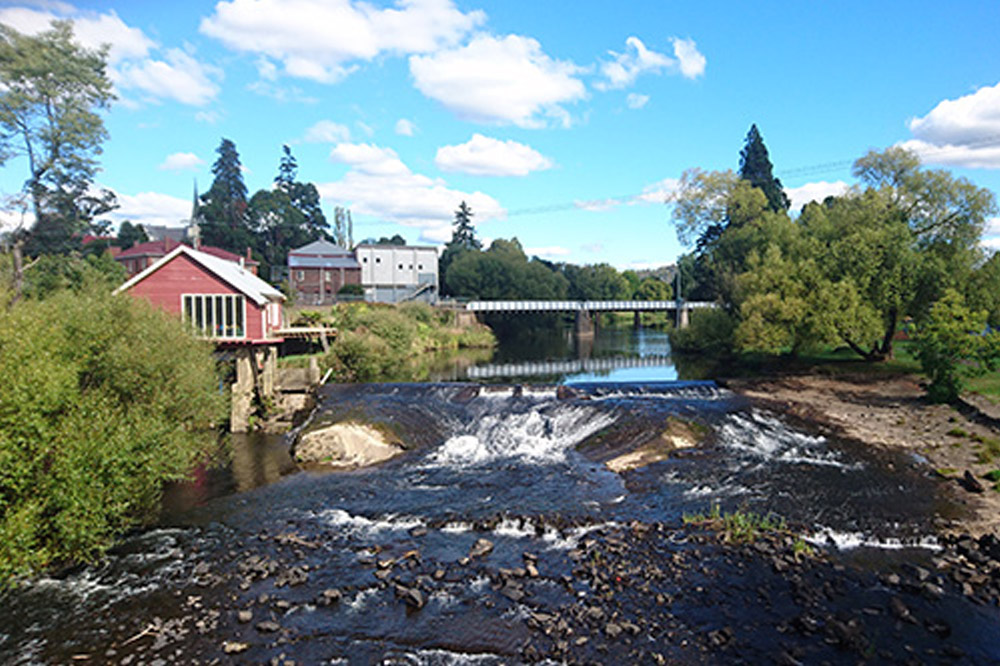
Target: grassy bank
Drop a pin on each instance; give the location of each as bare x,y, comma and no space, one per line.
378,342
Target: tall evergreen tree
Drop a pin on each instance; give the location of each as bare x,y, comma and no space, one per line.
756,167
224,206
287,170
464,234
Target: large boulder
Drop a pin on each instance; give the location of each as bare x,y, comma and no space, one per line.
678,434
346,445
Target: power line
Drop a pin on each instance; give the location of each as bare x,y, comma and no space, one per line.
807,170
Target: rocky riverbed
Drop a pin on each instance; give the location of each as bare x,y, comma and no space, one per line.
502,535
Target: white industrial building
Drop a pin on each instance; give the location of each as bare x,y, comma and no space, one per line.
396,273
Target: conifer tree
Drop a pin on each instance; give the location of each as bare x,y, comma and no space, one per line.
756,167
224,206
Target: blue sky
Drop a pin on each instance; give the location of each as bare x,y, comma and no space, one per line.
561,123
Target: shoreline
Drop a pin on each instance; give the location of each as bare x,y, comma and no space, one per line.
892,413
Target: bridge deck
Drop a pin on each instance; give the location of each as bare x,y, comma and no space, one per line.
585,306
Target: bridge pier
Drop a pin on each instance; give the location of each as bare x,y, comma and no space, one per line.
637,320
683,317
584,324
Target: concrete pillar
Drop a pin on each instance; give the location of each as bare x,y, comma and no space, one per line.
269,374
683,317
314,375
637,320
242,391
584,324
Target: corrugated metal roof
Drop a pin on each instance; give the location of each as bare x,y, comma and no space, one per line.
229,272
320,247
323,262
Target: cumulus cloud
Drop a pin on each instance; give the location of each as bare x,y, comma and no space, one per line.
962,132
486,156
500,80
379,184
320,39
180,77
636,101
624,68
655,193
991,234
690,61
817,191
152,208
405,127
176,76
181,161
327,131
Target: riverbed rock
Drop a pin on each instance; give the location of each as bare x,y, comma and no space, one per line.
971,483
346,445
678,434
481,548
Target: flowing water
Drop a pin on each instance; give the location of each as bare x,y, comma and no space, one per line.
519,465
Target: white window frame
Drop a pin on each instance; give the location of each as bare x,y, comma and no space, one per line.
208,327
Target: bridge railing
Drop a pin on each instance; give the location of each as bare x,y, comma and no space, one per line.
585,306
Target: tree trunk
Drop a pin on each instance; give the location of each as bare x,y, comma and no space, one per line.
18,284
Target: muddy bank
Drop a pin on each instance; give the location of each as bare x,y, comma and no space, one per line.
893,413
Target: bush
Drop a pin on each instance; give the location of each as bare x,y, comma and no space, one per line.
104,399
953,344
710,331
351,290
360,357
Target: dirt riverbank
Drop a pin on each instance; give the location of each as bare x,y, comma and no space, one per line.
892,412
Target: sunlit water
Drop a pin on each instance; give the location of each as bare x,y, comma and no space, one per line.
517,464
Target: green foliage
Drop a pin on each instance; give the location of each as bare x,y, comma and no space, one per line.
738,526
224,209
596,282
652,289
710,331
953,344
503,272
104,400
351,290
756,168
130,234
51,273
52,93
385,343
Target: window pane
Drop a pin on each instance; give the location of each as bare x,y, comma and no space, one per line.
229,317
219,321
199,319
187,310
239,317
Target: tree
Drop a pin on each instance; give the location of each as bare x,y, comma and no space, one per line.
130,234
224,206
343,228
394,240
653,289
463,239
503,272
51,94
596,282
755,167
953,344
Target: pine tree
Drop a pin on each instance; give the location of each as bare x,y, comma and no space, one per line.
287,171
464,234
756,167
224,206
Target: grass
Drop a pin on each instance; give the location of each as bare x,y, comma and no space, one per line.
737,526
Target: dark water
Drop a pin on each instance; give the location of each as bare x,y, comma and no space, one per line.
518,465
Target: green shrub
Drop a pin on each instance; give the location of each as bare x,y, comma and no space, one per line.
710,331
351,290
392,326
104,399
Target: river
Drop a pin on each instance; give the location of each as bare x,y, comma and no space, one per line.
500,537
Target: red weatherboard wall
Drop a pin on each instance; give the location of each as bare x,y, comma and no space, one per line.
183,276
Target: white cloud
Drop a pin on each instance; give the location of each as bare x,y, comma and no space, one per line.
327,131
179,76
151,208
658,192
692,62
380,185
991,234
181,161
817,191
486,156
550,251
281,94
636,101
962,132
598,205
625,68
507,80
91,29
208,117
318,39
405,127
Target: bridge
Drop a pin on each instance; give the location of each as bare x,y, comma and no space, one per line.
584,309
571,367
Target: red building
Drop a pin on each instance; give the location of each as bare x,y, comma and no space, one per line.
221,299
143,255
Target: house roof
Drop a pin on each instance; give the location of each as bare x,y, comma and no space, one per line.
396,247
320,247
229,272
159,248
348,262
